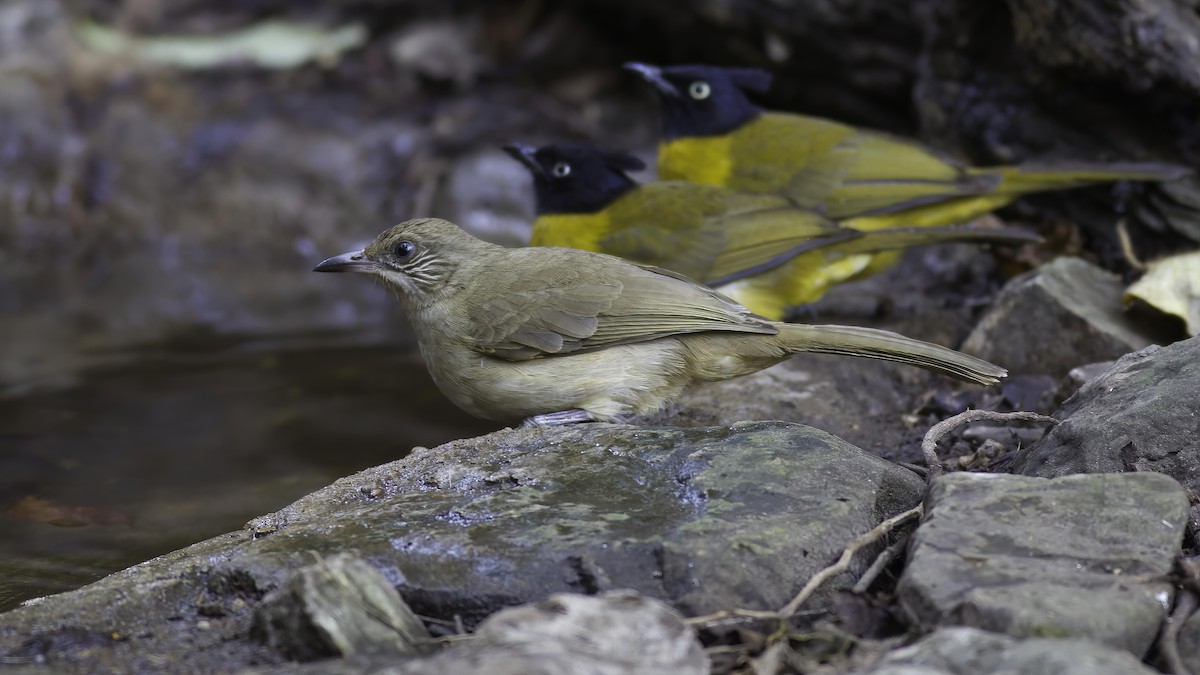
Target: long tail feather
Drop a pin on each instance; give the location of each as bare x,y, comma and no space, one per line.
885,345
1034,178
904,237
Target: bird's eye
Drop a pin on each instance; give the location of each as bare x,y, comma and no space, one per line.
405,249
561,170
699,90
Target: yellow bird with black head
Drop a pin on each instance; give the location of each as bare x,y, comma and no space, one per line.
759,249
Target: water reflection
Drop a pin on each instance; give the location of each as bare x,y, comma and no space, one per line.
149,457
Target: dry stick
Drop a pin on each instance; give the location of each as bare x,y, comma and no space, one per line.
937,431
1169,645
881,530
730,615
1127,250
843,563
885,556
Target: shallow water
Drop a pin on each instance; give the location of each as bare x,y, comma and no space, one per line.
140,459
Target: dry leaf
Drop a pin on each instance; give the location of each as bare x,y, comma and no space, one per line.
1172,286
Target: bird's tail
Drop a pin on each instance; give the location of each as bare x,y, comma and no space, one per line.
1036,178
895,238
881,344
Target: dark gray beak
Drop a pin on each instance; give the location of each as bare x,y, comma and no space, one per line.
524,155
354,261
653,75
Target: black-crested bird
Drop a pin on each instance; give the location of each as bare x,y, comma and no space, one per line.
713,133
761,250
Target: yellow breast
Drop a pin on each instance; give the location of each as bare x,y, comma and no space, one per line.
571,230
704,159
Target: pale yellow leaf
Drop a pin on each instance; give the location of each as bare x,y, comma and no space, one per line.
1172,286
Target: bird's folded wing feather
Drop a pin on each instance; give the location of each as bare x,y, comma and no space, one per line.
762,240
571,303
714,234
843,171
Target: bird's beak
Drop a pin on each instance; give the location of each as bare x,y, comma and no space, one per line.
653,75
524,155
354,261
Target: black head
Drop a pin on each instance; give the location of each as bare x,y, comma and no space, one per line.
704,100
576,178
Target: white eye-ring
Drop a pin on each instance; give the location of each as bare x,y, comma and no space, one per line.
699,90
561,170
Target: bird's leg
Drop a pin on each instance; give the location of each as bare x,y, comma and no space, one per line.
572,416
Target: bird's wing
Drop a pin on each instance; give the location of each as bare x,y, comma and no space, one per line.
757,241
844,171
570,301
714,234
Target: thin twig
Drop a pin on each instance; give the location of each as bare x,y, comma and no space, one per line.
878,532
732,616
885,556
937,431
793,606
1127,250
1185,604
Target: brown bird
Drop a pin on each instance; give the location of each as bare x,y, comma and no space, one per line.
559,335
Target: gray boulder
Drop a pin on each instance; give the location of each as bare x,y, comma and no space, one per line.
1064,314
1080,556
970,651
1142,414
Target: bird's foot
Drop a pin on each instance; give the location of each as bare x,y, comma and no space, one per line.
572,416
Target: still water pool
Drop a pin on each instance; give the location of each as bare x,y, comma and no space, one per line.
140,459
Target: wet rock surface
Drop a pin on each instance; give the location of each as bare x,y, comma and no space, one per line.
1064,314
706,519
694,516
1141,414
1079,556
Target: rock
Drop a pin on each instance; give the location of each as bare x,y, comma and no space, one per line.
444,50
618,633
705,519
969,651
1189,643
1064,314
1142,414
340,606
1079,556
1078,377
